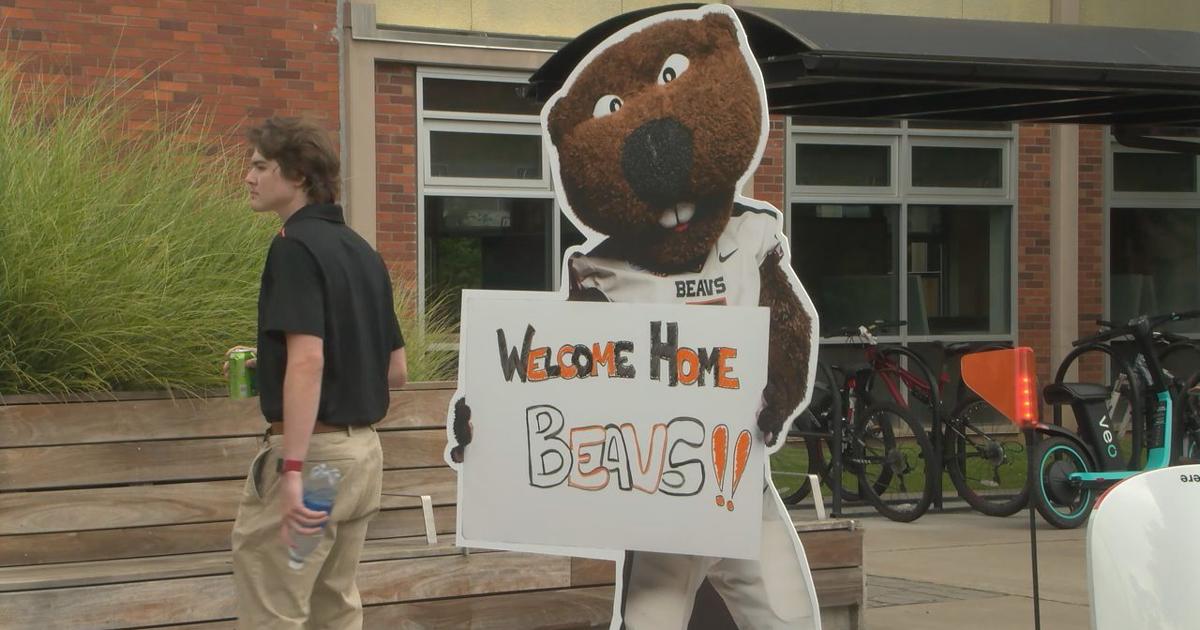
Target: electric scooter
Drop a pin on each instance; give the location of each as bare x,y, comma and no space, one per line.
1071,469
1007,380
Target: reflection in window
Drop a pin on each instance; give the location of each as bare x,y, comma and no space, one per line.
1154,172
843,165
458,95
485,155
1155,263
957,167
845,255
958,269
486,243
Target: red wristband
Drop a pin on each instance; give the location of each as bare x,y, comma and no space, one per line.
290,465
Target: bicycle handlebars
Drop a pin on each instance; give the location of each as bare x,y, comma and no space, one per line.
869,327
1149,322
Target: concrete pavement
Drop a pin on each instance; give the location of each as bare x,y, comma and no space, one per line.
965,570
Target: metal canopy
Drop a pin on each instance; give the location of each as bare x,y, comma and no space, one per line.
819,63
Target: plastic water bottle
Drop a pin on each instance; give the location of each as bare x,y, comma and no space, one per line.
320,488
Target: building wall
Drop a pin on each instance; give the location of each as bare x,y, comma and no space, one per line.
568,18
236,61
1033,244
770,178
1180,15
1092,256
396,168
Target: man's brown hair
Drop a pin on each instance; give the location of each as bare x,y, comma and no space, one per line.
304,153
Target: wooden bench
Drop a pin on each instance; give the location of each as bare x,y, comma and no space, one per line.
117,514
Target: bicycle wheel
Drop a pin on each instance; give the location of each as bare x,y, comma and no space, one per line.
1062,503
896,462
802,452
791,464
985,457
1125,407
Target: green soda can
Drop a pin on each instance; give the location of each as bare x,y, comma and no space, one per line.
242,381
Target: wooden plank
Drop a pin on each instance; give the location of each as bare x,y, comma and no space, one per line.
189,565
839,587
457,575
83,465
411,522
182,418
575,608
197,599
590,572
124,396
170,504
380,582
542,610
143,542
833,549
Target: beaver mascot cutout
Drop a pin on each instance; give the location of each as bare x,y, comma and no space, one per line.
651,138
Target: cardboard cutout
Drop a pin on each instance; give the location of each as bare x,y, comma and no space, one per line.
651,138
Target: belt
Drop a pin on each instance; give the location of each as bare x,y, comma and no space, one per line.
276,427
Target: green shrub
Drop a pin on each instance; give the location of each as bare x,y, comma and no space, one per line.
131,260
128,260
431,342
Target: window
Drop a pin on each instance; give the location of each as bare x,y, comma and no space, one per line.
1153,235
464,154
959,269
856,165
843,165
487,242
1141,171
905,222
848,285
957,167
487,212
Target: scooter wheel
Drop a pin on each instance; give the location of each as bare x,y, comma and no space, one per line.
1063,503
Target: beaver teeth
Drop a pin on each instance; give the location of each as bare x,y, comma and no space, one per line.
679,215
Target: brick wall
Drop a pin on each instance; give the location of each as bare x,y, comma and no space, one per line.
238,61
769,178
1091,243
396,168
1033,243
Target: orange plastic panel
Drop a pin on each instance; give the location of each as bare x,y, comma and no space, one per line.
1007,380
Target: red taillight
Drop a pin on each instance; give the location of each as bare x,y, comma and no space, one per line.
1027,397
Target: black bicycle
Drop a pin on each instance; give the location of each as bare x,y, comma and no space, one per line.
885,455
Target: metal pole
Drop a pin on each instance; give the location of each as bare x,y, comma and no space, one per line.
1031,438
835,447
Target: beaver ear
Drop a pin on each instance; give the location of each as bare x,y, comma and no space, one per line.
720,27
555,122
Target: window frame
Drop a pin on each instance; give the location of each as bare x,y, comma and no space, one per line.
476,126
903,195
427,184
1137,200
924,139
876,137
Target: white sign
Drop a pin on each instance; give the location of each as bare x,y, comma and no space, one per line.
600,428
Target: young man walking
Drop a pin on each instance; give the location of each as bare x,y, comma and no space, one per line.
329,346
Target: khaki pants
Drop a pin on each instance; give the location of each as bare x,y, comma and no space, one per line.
323,595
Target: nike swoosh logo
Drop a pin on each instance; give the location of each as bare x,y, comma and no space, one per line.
726,256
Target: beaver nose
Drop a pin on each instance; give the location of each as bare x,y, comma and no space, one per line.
657,161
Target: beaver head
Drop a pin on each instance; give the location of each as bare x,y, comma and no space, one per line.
653,135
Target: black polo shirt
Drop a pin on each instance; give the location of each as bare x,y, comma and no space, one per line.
321,278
